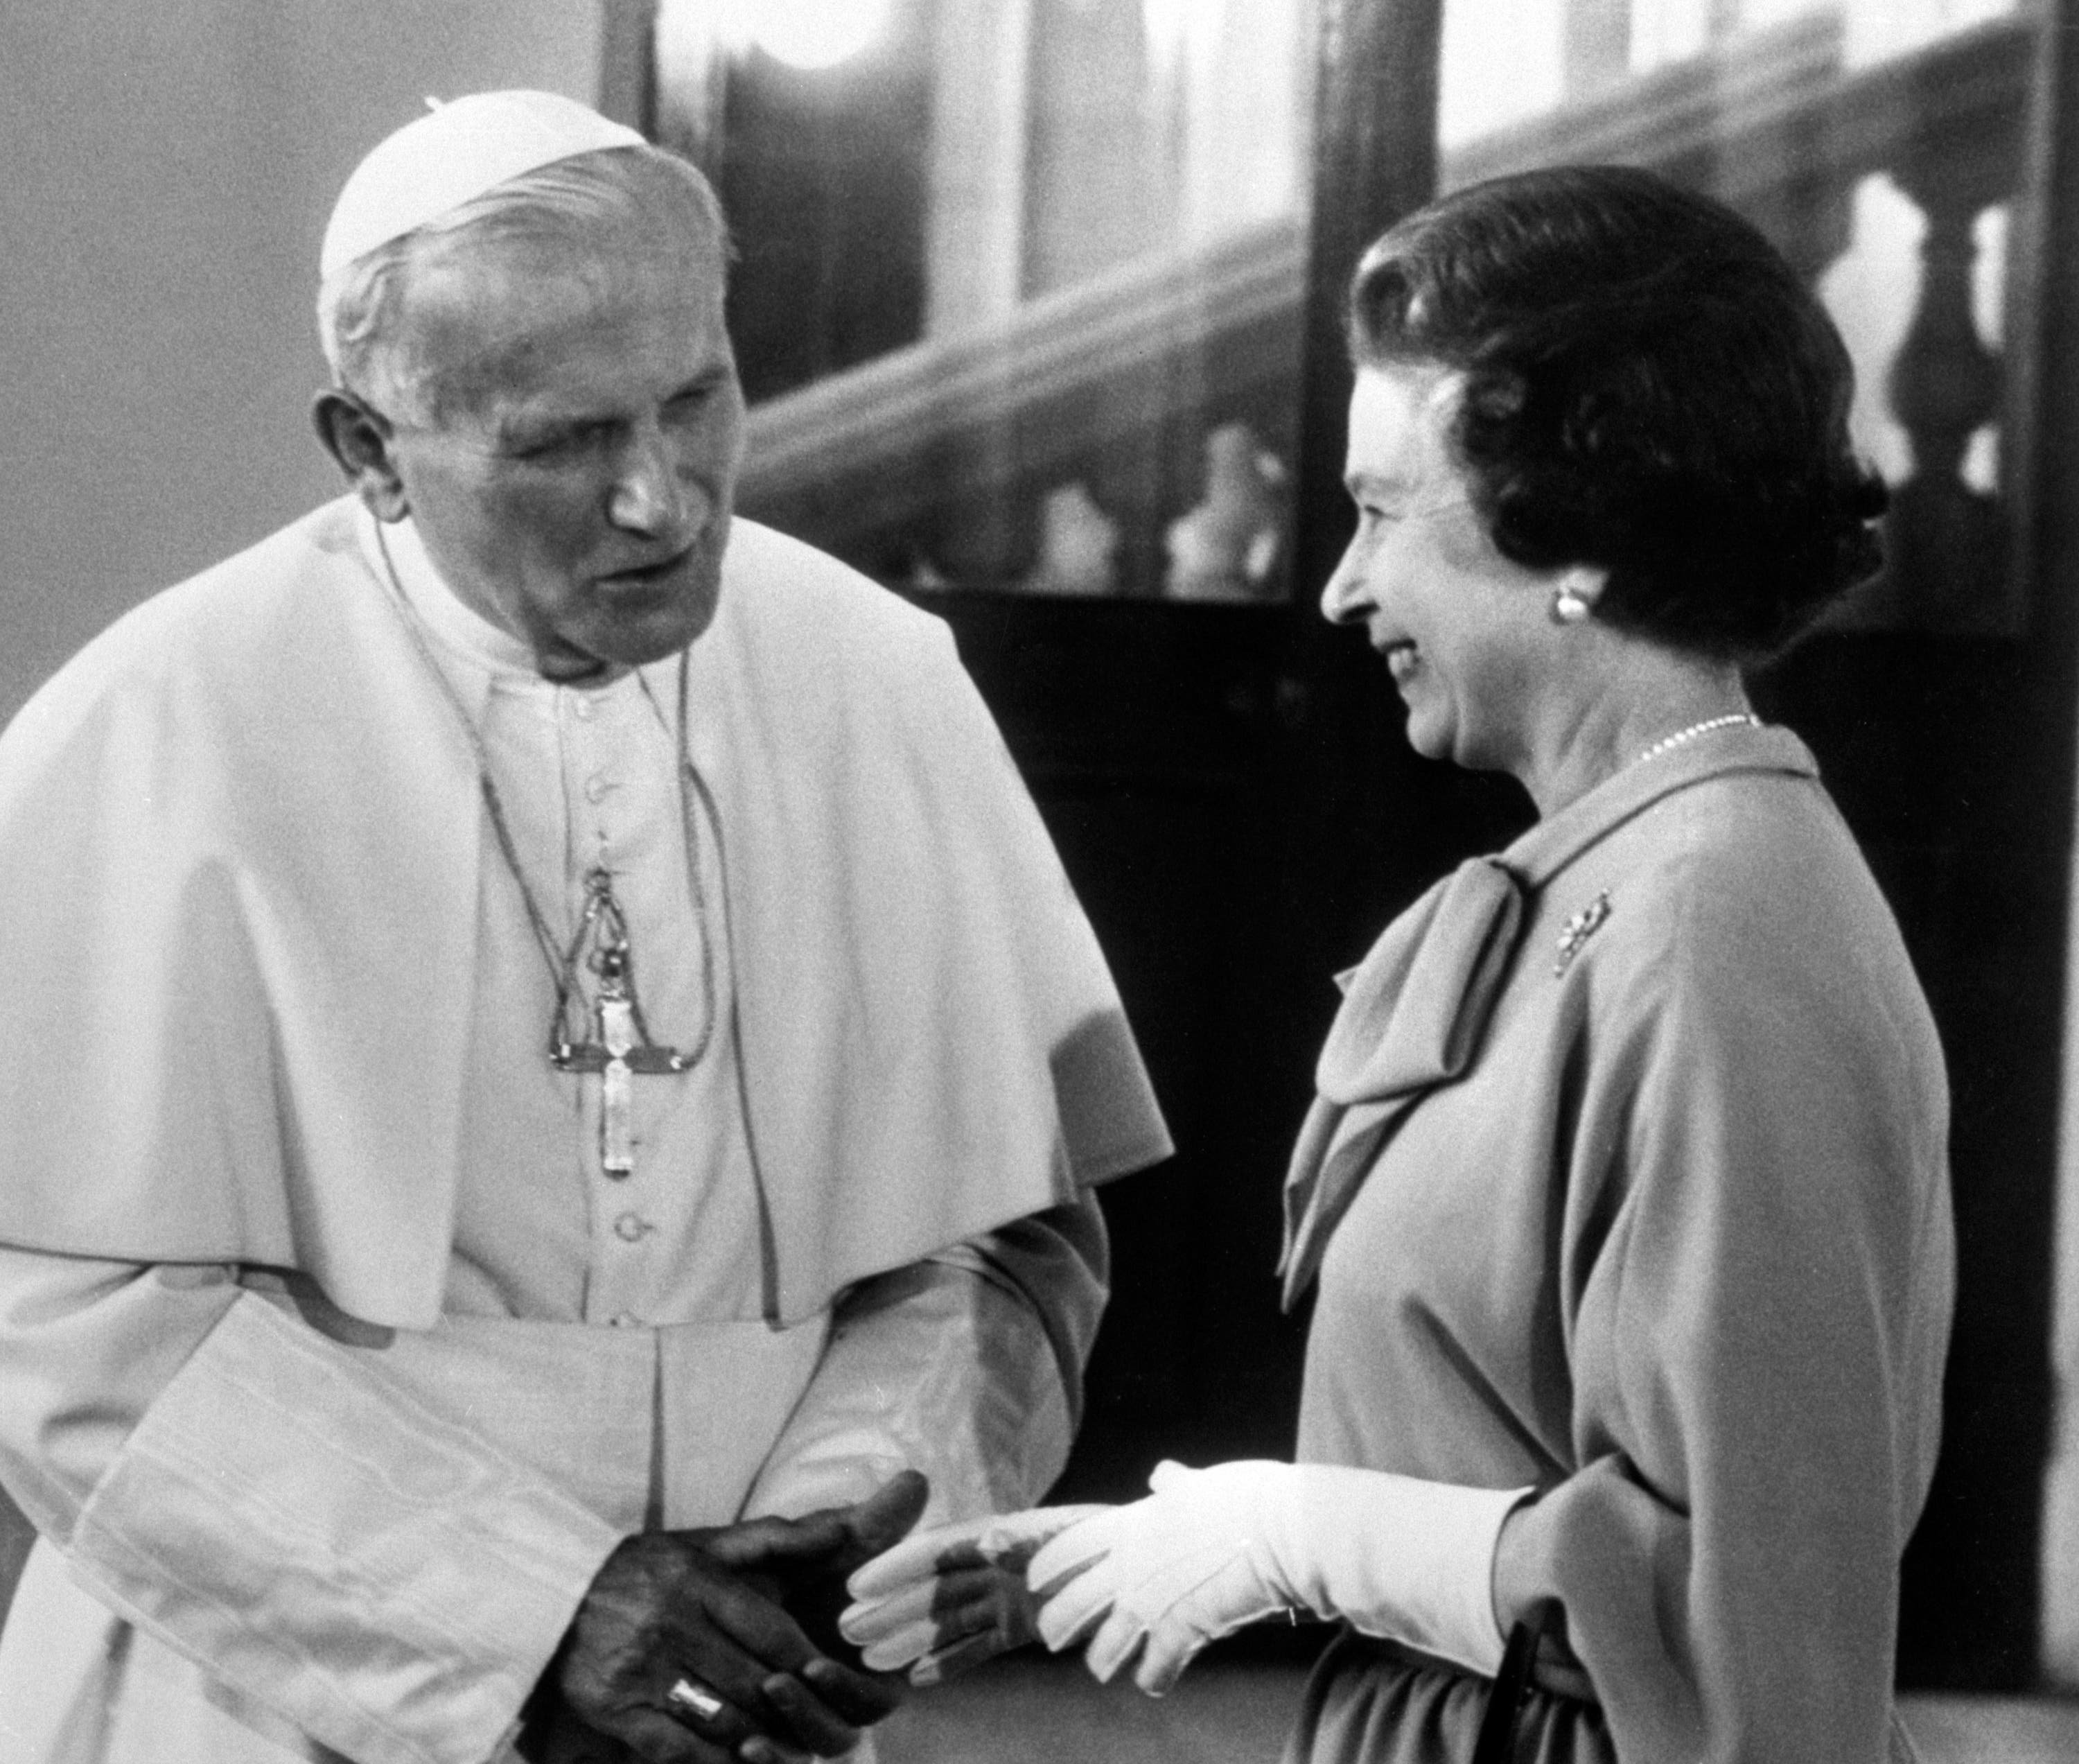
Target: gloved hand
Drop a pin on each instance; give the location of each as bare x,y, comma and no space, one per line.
1212,1550
945,1600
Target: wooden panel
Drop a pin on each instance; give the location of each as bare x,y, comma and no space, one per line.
1937,754
1147,733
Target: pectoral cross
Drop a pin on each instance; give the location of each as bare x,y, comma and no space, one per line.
619,1046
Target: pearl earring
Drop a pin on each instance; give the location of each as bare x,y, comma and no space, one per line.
1568,608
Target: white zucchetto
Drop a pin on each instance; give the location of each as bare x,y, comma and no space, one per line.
453,155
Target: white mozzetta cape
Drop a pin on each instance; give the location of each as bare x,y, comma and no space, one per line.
241,836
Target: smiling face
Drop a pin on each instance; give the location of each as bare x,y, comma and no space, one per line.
576,485
1468,636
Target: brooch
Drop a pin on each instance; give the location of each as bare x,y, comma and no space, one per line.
1579,929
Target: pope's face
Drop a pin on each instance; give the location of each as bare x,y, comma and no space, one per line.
576,481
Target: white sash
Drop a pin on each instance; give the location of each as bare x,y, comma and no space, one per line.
675,1420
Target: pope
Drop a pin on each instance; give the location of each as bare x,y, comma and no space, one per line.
565,1078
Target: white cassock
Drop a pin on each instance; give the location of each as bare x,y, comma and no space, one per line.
275,1530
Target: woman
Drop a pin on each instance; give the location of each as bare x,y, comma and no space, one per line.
1625,1189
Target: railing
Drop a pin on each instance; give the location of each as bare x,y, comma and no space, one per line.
916,457
935,463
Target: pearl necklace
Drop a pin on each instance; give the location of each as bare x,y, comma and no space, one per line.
1731,720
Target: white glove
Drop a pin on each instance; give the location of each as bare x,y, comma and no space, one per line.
943,1600
1212,1550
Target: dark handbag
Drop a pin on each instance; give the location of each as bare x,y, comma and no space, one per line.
1496,1741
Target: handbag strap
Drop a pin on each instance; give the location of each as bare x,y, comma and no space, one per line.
1496,1743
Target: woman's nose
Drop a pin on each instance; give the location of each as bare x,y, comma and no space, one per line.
1346,598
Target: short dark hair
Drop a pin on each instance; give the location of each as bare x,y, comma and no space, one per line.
1649,389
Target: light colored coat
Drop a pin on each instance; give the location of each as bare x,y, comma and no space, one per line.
1631,1175
240,840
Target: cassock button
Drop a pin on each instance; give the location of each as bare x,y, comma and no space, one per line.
596,787
632,1228
582,708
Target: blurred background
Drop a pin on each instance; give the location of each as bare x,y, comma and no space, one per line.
1038,302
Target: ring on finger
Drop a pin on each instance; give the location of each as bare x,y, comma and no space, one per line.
689,1696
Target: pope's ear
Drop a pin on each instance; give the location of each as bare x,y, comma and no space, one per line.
360,438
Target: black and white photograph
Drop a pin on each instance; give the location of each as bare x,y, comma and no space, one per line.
1024,882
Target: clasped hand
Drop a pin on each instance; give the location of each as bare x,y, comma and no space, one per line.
1151,1582
745,1616
945,1600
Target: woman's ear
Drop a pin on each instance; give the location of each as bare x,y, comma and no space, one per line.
1585,583
1575,591
360,439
